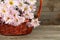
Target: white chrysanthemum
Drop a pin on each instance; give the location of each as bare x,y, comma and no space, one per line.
18,20
7,18
11,3
21,4
31,1
28,15
35,22
25,7
14,12
10,21
3,9
32,8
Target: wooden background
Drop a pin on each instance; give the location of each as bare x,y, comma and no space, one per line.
50,12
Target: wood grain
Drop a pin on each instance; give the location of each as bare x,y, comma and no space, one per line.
43,32
50,11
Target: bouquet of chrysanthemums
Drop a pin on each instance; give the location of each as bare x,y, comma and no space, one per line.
16,12
19,17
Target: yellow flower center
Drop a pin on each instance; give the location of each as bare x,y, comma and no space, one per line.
30,7
25,8
11,2
3,11
14,15
26,15
16,20
8,18
20,4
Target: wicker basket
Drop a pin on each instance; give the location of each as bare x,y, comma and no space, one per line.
19,30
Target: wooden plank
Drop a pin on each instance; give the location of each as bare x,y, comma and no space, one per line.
50,12
46,32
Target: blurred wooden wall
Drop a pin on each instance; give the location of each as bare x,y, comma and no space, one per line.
50,12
